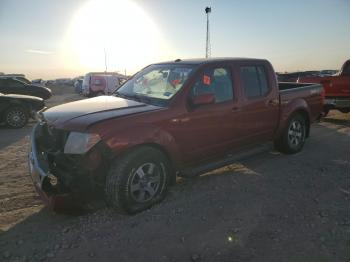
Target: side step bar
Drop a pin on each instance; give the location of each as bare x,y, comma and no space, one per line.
229,159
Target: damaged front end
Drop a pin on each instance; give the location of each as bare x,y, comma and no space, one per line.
63,175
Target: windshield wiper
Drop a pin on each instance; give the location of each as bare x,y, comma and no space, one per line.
122,95
132,97
138,98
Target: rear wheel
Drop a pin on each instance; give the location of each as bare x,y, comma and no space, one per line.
325,112
293,137
16,117
138,180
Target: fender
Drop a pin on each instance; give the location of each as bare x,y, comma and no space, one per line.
130,138
287,111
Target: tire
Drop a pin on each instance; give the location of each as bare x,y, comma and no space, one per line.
293,137
325,112
16,117
138,180
100,94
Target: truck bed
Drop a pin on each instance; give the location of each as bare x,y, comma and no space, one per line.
290,93
284,86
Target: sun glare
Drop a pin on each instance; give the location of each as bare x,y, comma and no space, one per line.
121,28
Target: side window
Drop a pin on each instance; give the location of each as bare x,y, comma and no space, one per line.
14,84
254,81
215,81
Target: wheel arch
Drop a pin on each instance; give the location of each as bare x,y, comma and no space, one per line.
171,160
296,106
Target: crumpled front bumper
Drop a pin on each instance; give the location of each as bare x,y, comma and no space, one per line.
40,176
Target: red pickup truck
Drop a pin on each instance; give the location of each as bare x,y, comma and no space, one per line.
337,89
171,119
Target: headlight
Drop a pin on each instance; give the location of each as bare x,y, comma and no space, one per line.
80,143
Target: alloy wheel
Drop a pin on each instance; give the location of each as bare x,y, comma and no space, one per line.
16,118
296,134
145,182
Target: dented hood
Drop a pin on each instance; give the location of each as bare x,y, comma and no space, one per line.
79,115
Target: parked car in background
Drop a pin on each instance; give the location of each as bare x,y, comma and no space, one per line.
293,77
337,89
10,85
181,117
50,82
328,72
15,110
96,84
64,81
19,77
39,82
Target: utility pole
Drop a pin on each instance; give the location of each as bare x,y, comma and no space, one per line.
104,49
207,45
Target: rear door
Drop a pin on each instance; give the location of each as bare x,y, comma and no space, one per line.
98,83
260,102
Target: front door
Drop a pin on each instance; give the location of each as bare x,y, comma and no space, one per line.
208,130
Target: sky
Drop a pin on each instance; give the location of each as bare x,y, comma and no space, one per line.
54,39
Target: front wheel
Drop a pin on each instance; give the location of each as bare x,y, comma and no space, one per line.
293,137
325,112
138,180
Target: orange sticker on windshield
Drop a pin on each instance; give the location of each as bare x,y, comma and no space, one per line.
176,82
206,80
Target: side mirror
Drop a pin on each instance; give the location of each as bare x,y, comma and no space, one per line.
203,99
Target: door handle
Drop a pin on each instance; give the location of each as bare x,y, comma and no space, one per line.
273,102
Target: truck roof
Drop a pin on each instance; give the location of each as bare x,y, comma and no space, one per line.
199,61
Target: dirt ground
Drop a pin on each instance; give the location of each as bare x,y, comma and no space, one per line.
269,207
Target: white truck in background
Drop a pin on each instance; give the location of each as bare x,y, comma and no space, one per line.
101,83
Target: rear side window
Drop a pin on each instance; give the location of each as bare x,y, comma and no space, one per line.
14,84
254,81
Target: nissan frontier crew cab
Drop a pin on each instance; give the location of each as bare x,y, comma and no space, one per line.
169,119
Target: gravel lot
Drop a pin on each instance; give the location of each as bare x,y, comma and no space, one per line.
269,207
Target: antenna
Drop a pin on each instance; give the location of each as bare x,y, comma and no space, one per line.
207,45
104,49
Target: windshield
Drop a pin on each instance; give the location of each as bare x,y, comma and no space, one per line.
156,84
